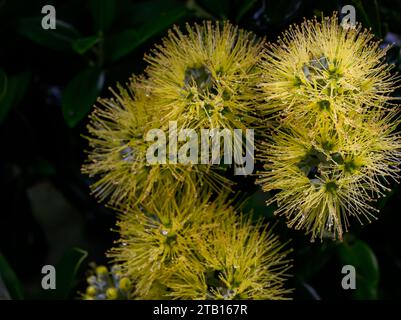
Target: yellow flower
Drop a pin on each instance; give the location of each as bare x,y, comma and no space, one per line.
323,176
158,235
237,260
320,71
207,77
117,156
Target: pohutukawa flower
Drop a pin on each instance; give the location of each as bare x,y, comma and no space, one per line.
207,77
325,175
237,260
117,158
320,70
156,237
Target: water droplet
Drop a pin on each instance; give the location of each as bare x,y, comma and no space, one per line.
127,154
330,222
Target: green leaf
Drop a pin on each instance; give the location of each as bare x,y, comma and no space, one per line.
244,8
362,257
82,45
10,279
127,41
60,38
80,94
103,12
66,271
220,8
16,87
314,259
144,11
3,83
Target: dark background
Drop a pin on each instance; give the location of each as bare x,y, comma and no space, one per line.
49,79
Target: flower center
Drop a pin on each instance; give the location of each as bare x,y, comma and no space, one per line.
331,186
200,77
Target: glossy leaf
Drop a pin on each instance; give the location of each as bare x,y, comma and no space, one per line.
314,258
217,8
60,38
16,87
144,11
66,271
80,94
10,279
128,40
244,8
82,45
361,256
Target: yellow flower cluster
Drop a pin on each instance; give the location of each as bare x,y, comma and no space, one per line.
234,261
330,153
117,158
199,249
334,146
207,78
177,219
